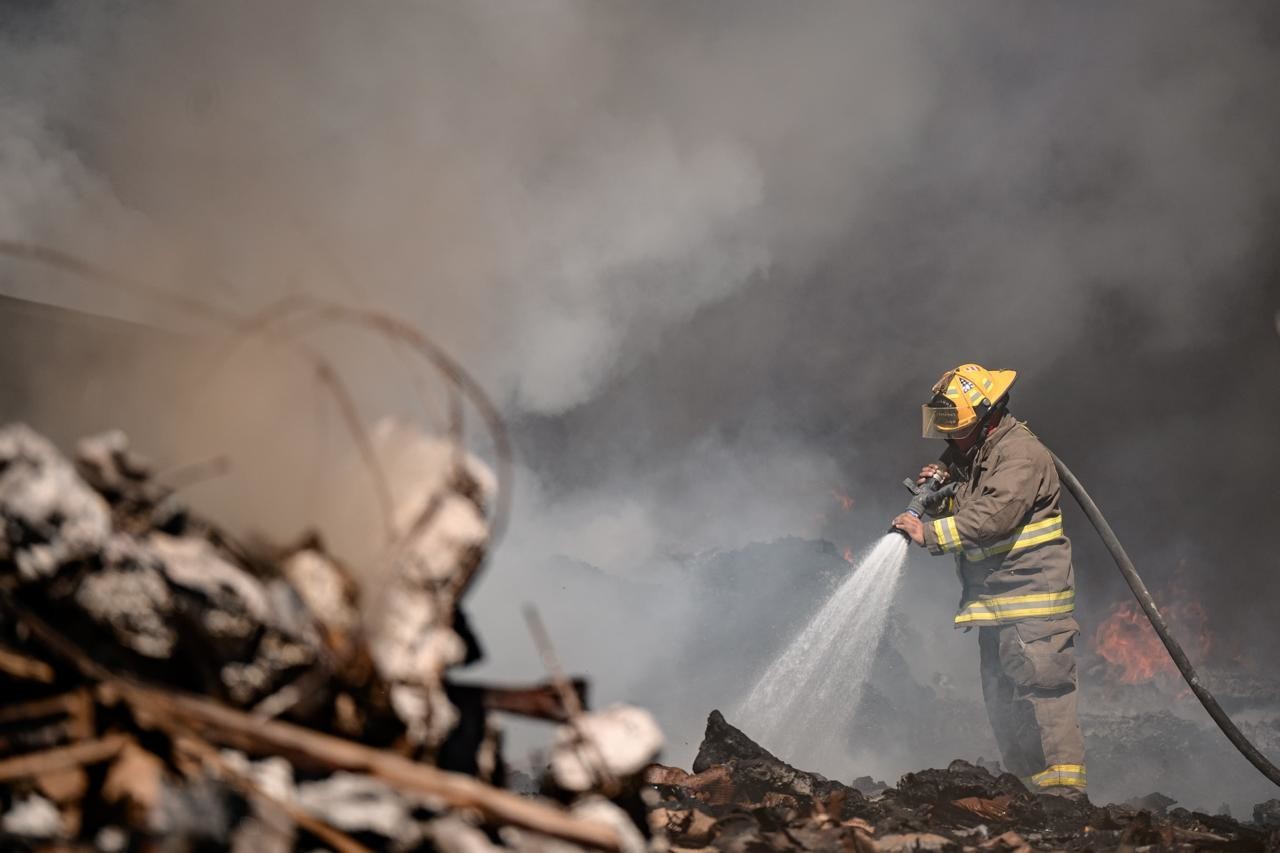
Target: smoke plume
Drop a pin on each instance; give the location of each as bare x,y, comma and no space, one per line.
707,257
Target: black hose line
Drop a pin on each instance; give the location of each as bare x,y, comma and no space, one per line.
1140,592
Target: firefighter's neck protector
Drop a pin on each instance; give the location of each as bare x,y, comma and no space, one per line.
962,398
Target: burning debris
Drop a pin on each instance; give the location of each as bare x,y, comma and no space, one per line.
164,681
845,501
1134,654
740,797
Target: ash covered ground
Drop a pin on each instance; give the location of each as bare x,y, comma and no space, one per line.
741,797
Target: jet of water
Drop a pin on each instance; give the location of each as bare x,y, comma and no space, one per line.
803,707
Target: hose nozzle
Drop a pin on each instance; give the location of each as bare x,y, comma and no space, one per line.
926,496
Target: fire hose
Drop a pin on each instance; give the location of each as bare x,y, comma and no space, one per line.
931,493
1148,605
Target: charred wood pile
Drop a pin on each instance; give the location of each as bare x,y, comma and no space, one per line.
167,687
739,797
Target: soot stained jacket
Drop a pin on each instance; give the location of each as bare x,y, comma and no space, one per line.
1005,529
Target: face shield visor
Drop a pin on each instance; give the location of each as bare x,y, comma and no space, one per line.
941,419
938,421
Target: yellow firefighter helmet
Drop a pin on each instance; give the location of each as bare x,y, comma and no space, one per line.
962,398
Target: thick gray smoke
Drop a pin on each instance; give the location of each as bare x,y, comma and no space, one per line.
709,256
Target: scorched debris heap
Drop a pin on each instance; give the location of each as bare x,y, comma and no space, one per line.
166,687
742,798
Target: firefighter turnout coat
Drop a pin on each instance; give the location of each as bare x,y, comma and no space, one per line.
1005,529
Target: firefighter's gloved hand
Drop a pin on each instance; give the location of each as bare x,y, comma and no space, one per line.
928,471
910,525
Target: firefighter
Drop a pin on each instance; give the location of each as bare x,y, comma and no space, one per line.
1004,526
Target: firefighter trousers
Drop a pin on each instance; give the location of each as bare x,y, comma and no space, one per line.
1029,685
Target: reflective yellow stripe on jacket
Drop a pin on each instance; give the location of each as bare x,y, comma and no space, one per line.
1008,608
944,530
1027,536
1072,775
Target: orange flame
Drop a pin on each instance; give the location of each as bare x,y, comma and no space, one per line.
1133,651
846,502
848,556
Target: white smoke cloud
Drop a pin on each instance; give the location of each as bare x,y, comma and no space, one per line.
638,234
546,190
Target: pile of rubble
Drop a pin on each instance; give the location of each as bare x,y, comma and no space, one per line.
741,798
167,687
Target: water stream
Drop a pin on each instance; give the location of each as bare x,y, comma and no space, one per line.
802,708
